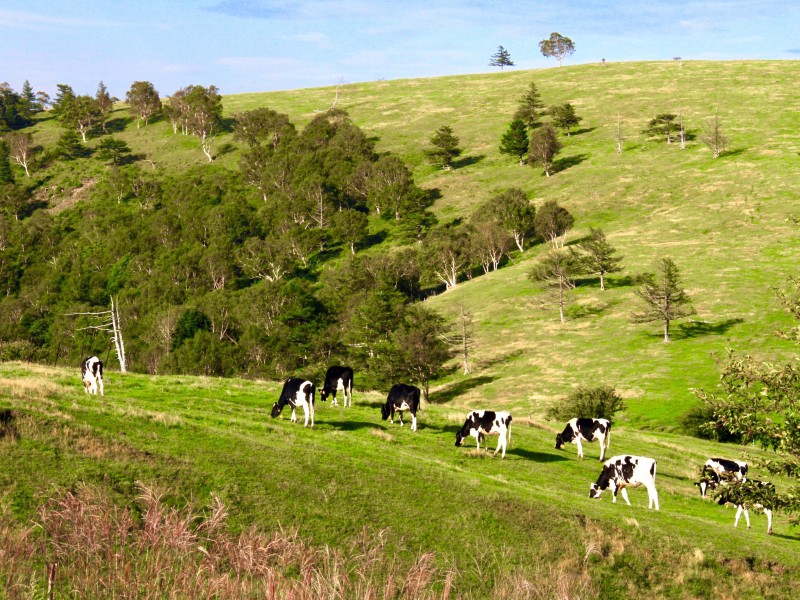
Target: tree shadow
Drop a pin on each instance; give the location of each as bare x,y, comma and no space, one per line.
226,124
373,239
734,152
697,328
542,457
582,131
562,164
467,161
459,387
500,359
226,148
577,311
620,282
117,125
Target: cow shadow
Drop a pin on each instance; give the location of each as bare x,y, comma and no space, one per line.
698,328
458,388
348,425
542,457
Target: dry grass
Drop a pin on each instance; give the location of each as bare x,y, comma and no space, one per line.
85,546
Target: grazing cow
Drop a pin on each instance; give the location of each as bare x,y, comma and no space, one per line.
296,392
92,374
586,430
732,485
717,467
402,397
620,472
487,422
338,378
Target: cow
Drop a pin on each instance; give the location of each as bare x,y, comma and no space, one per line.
92,374
714,468
620,472
487,422
587,430
338,378
402,397
731,484
296,392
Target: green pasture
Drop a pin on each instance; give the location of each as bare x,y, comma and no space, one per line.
193,436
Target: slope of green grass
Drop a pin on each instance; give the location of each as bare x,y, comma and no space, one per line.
192,436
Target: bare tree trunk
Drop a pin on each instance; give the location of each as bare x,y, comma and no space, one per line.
561,299
602,281
666,331
683,135
619,135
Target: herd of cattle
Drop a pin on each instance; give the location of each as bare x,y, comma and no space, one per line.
619,472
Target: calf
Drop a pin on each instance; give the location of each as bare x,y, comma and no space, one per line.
338,378
92,374
487,422
296,392
717,467
620,472
402,397
587,430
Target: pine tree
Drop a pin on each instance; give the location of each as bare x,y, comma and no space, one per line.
564,117
664,299
501,58
445,148
601,256
529,106
6,175
662,125
515,140
543,147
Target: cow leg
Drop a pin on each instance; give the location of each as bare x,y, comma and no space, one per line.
350,394
652,496
294,415
768,512
739,510
102,391
580,447
413,422
401,417
603,445
501,443
625,496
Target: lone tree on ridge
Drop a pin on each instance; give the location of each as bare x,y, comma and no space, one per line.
501,58
557,46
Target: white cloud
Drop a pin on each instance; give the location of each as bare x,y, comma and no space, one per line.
24,20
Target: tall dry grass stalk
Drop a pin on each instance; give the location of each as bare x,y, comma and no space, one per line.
83,545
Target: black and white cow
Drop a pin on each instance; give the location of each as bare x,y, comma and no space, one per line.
620,472
338,378
92,374
486,422
582,429
402,397
296,392
732,491
714,468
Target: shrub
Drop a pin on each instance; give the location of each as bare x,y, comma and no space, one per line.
599,402
692,422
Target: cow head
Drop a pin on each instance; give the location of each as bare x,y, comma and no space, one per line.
459,438
594,491
276,410
559,441
323,394
385,411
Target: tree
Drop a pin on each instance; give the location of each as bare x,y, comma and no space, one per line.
104,102
557,270
564,117
601,256
83,113
552,223
262,127
21,149
203,115
529,105
69,145
445,254
445,148
421,347
664,299
619,134
14,199
488,242
543,147
460,337
144,101
64,98
514,212
662,125
350,226
557,46
713,137
501,58
28,102
515,141
6,174
113,149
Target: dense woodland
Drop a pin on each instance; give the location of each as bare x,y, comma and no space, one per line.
271,269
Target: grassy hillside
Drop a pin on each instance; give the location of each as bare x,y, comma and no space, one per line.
193,436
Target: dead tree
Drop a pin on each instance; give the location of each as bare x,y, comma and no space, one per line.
109,322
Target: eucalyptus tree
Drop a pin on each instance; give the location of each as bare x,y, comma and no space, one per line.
143,101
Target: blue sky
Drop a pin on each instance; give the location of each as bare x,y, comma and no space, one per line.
260,45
